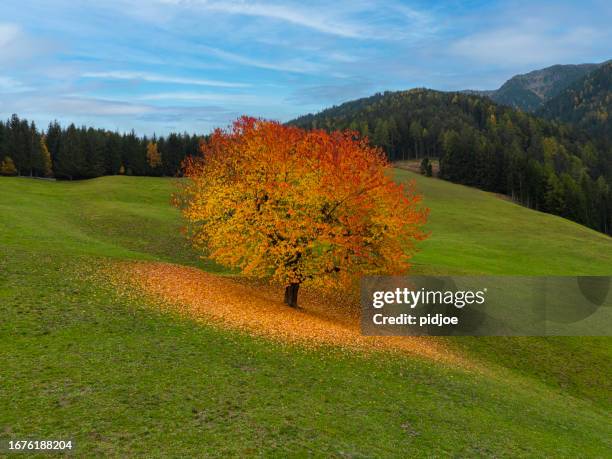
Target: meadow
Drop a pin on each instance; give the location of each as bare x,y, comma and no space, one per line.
121,377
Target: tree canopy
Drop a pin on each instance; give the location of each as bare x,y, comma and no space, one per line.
298,207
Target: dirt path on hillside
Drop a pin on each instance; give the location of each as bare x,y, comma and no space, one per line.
257,309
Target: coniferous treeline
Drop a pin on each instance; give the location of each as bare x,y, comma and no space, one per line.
542,164
80,152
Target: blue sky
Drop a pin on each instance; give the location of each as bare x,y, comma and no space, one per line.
192,65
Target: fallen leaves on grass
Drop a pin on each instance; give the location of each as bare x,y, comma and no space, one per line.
257,309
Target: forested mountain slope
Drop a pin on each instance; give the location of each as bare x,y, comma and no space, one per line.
586,103
542,164
530,90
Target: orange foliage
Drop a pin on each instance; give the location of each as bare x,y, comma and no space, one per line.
252,307
299,206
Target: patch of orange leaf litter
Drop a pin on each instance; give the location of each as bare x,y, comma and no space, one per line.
257,309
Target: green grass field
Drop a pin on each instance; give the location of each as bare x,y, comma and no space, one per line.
80,361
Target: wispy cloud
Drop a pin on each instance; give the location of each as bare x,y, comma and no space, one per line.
382,20
544,33
204,97
120,115
16,46
96,107
310,18
8,33
527,45
11,85
156,78
296,65
331,93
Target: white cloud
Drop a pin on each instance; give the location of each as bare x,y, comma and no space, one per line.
531,43
32,105
11,85
298,65
17,46
155,78
8,33
97,107
346,19
204,97
331,93
310,18
11,42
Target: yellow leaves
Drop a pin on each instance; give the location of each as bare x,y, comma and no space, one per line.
255,308
7,166
297,206
153,155
46,157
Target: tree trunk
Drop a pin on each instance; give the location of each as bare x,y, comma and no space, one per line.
291,295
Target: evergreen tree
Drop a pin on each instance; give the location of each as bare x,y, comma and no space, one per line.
19,145
53,139
112,153
133,155
173,154
70,161
426,168
381,134
3,139
94,148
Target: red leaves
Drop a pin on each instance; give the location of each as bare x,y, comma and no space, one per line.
295,206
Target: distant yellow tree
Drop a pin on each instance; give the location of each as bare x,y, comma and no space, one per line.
7,167
153,155
46,157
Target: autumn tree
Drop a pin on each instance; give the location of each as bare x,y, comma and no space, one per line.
153,155
297,207
7,166
47,167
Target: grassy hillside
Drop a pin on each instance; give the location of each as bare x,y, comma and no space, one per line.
473,232
120,378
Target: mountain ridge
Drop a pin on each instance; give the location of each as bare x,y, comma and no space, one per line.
586,103
530,91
